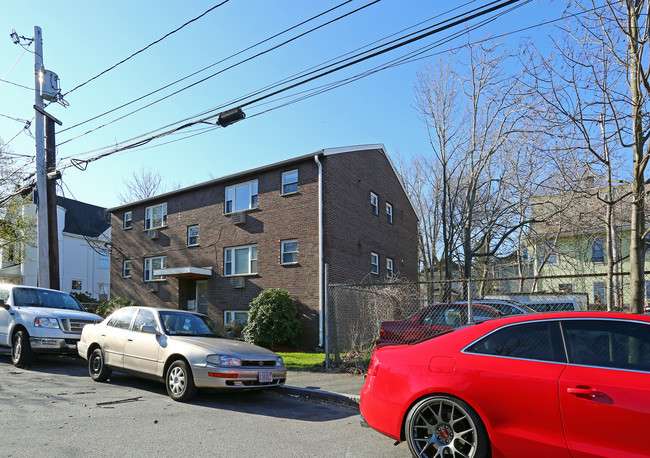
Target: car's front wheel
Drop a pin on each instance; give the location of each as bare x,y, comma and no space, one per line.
21,350
441,425
96,366
179,381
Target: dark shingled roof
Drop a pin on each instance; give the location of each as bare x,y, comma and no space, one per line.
82,218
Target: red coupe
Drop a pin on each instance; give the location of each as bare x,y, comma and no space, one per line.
574,384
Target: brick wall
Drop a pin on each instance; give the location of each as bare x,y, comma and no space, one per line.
353,231
277,218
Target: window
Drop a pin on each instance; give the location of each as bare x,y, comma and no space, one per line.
389,212
128,219
608,343
289,251
598,251
76,285
565,288
241,197
235,317
290,182
374,263
536,341
104,260
152,264
155,216
599,293
145,318
122,318
374,203
547,252
103,289
240,260
389,268
126,268
193,235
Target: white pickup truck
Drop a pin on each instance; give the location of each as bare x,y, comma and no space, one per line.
38,320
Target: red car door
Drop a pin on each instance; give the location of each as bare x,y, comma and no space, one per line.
605,412
605,389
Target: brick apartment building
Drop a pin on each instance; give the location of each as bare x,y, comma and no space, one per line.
215,246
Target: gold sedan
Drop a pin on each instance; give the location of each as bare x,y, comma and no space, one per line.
185,350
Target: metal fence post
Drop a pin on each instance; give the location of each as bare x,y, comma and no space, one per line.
326,312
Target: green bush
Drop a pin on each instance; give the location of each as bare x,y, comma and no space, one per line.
107,307
273,320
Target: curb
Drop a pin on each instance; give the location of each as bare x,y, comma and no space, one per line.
310,394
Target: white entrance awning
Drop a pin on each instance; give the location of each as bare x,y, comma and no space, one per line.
185,272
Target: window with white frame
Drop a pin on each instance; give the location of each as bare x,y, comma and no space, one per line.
374,263
126,268
193,235
128,219
389,268
155,216
241,197
290,182
235,317
289,251
374,203
241,260
153,264
389,212
76,285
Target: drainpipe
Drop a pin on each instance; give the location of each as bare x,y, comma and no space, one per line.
320,252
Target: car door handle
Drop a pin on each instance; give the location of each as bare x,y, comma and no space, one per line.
585,392
129,340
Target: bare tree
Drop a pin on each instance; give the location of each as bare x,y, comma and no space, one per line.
598,86
142,184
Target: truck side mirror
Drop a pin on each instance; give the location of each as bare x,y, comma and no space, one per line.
3,304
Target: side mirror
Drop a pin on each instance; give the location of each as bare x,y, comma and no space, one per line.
149,330
3,304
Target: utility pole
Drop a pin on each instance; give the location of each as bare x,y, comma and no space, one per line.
52,175
41,173
46,87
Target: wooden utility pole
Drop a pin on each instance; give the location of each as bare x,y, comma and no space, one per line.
53,230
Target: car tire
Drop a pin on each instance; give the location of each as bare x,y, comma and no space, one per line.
96,366
443,425
180,382
21,350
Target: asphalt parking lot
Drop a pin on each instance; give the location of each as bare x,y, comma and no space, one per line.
55,409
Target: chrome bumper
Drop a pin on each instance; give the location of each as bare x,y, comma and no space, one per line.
52,344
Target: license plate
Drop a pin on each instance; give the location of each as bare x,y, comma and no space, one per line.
265,377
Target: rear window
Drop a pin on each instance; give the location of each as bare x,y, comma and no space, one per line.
535,341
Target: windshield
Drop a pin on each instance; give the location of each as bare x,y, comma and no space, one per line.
28,297
188,324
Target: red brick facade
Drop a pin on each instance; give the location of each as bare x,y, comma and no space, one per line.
351,233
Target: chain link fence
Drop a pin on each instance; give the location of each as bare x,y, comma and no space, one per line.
359,316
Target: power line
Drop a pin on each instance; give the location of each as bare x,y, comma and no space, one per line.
146,47
226,69
205,68
457,20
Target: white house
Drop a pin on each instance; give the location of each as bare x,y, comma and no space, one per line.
84,263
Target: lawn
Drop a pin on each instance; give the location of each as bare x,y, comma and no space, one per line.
298,361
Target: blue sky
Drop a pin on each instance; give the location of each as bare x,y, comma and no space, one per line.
82,39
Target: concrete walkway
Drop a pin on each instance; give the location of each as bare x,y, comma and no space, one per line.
341,389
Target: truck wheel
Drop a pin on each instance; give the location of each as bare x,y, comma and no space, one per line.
21,350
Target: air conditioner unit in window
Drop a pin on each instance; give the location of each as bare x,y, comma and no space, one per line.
152,287
238,218
153,234
237,282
